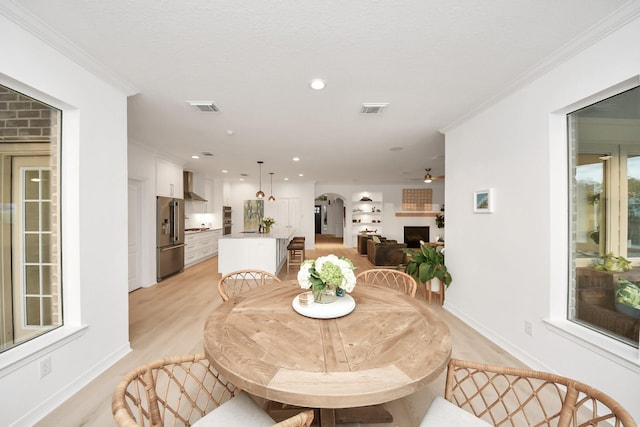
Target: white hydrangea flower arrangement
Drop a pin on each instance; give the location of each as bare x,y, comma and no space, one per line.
325,271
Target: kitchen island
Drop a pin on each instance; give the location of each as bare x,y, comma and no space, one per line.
254,251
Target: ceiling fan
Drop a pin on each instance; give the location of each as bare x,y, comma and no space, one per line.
428,178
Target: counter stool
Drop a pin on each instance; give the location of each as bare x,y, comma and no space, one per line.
298,240
296,253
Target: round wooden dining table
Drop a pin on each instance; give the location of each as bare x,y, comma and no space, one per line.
388,347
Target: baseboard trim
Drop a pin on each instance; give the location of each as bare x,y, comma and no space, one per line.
507,346
50,404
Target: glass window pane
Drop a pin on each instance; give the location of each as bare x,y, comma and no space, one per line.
45,184
45,209
32,248
47,312
32,185
590,205
33,311
32,273
32,216
605,214
47,279
45,250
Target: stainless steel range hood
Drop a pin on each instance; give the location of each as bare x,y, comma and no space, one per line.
188,188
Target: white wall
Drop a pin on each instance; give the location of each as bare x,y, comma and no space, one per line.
511,266
94,230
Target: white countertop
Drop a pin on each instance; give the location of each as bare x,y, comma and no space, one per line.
201,230
285,233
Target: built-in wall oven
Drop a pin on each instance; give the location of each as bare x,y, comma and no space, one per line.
226,220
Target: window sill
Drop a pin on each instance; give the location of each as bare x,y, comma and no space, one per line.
15,358
616,351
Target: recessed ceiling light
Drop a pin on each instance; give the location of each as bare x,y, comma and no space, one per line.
195,157
230,132
286,179
300,174
225,171
318,84
296,159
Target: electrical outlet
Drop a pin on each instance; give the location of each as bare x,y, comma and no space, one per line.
528,328
45,366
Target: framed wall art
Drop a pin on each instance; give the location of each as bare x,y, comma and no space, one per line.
483,201
253,214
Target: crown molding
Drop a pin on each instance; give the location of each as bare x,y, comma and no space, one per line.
616,20
40,29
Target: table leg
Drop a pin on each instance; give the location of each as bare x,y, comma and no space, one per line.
327,417
366,414
331,417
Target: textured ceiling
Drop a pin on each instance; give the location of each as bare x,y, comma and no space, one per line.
433,61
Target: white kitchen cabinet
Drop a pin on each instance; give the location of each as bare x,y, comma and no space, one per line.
200,246
169,179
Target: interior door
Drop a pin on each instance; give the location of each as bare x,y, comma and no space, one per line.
288,214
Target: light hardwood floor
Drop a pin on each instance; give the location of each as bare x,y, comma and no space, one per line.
167,319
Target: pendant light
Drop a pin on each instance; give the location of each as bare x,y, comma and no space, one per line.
271,198
260,193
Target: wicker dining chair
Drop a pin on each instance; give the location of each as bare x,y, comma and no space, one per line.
236,282
390,278
517,397
179,391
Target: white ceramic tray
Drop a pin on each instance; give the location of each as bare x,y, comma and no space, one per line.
340,307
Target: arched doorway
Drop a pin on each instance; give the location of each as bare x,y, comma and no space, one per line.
329,217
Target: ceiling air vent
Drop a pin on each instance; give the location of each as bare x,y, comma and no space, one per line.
207,153
204,106
369,108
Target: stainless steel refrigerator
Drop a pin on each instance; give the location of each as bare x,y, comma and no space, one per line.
169,236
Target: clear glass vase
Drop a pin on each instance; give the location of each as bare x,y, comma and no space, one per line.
325,295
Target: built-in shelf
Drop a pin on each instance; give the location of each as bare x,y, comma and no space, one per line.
366,213
417,213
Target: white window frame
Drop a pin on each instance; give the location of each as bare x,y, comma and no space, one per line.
559,257
29,352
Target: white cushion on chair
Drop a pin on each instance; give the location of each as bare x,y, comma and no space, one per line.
442,413
239,411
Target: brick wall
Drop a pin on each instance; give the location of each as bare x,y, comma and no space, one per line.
22,119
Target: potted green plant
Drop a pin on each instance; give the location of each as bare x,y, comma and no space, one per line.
427,263
610,262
